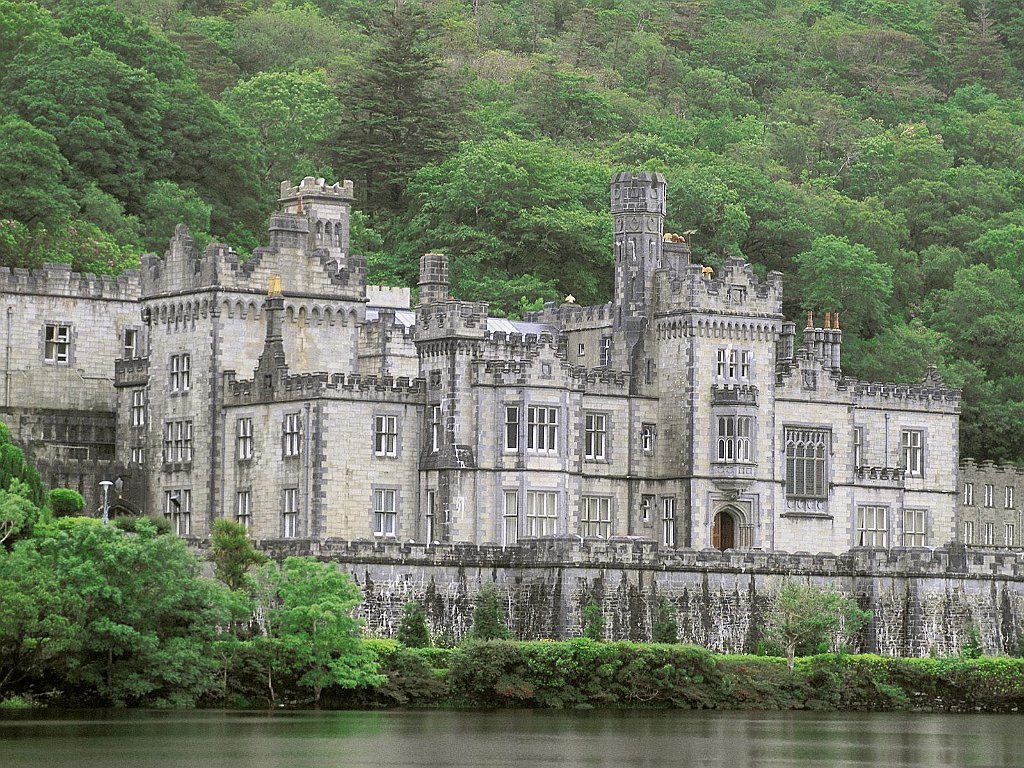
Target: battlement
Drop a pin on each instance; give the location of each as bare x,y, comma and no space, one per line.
991,468
304,386
572,317
59,280
885,477
642,192
931,393
131,372
442,319
734,289
734,394
310,188
599,381
387,296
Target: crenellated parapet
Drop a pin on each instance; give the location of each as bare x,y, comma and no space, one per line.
573,317
733,289
931,394
599,381
337,386
131,372
60,280
447,319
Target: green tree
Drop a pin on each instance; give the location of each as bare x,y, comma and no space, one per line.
837,275
315,630
18,515
165,206
65,502
666,623
33,176
232,553
806,617
15,469
487,621
593,620
413,631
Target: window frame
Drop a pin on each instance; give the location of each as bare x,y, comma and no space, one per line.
291,435
243,508
541,513
596,517
734,434
130,349
968,494
796,482
57,343
245,442
385,512
510,518
990,495
668,521
138,408
915,534
871,528
385,436
434,417
512,441
912,451
542,429
595,436
290,512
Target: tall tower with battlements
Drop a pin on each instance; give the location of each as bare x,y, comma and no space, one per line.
638,213
326,206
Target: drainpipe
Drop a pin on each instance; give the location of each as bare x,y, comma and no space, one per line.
305,472
7,360
887,441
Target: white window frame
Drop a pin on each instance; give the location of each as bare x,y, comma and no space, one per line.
596,517
648,433
668,521
178,510
542,429
807,470
912,450
858,447
720,362
733,439
181,372
291,429
138,408
57,343
430,517
435,428
1009,534
914,528
245,442
385,512
138,454
512,428
595,435
990,495
968,531
385,436
606,351
647,502
130,345
243,509
290,512
872,529
510,519
1008,499
968,494
541,513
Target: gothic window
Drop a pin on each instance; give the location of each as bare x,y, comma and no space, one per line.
647,434
541,429
57,348
178,510
734,434
913,528
606,350
595,435
385,513
912,448
596,517
290,513
646,507
806,467
872,526
541,513
385,436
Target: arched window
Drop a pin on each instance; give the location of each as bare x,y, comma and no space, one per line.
806,456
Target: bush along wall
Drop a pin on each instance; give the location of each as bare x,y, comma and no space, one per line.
583,673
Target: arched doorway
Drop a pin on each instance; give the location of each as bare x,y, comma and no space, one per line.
723,531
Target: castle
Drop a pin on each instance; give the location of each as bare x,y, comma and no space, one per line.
285,393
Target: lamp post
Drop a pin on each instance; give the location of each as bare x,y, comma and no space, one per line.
105,485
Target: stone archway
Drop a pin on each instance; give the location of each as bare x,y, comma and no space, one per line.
724,530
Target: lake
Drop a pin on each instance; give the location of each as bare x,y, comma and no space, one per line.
453,739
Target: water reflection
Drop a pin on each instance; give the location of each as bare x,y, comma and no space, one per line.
446,739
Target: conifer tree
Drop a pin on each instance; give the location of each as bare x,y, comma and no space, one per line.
412,629
487,623
666,623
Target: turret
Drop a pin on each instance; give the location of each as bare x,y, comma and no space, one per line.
433,278
326,207
638,214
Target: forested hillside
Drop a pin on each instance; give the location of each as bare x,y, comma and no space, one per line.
872,150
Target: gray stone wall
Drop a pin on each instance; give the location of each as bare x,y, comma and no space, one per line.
922,600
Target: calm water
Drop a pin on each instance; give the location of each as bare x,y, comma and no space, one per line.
520,738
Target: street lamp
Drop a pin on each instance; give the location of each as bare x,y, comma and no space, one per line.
105,485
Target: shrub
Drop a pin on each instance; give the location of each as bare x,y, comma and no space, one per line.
593,620
666,623
65,502
487,622
412,629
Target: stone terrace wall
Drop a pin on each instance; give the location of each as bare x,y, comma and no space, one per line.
923,600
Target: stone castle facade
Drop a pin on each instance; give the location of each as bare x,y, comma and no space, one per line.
286,393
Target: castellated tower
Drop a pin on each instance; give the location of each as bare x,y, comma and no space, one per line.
326,206
638,213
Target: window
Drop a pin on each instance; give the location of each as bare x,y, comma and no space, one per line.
989,495
385,514
181,373
668,521
858,447
138,455
806,475
912,445
990,534
243,509
510,532
245,441
596,518
968,494
733,363
435,428
541,429
1008,534
292,432
1008,497
734,438
138,408
290,512
131,343
647,434
541,513
431,519
595,435
385,435
646,507
178,509
511,427
606,350
872,527
720,367
913,528
58,343
178,441
583,349
968,532
744,364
